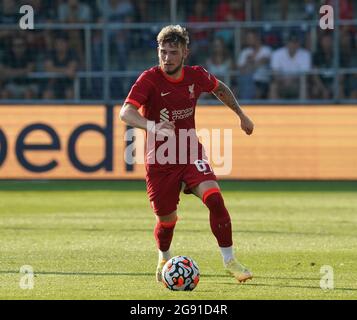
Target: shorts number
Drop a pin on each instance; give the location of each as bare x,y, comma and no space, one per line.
203,166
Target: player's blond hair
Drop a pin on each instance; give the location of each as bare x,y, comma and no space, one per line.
174,34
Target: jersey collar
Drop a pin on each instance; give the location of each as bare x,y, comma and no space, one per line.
168,78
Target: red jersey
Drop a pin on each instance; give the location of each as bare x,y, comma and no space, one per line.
164,99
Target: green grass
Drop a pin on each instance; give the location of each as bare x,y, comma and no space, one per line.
94,240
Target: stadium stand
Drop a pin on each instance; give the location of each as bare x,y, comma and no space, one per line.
83,51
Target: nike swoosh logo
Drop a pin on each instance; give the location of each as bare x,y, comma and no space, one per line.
165,94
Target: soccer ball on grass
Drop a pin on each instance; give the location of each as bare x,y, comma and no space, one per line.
180,273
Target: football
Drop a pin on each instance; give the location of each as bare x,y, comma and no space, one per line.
180,273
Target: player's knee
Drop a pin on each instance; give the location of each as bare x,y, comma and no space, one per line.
212,198
171,217
215,203
164,211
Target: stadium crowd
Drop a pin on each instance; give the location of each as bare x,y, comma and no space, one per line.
268,64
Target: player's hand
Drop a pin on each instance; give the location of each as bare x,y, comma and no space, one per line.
246,124
165,128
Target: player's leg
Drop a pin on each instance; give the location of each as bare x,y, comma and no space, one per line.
201,181
221,227
163,232
163,189
220,221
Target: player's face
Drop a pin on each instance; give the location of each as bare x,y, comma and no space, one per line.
171,58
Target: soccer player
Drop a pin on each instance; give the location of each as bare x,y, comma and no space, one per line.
167,95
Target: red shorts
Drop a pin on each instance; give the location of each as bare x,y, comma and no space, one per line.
164,183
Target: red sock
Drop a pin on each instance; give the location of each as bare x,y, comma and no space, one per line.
220,220
163,233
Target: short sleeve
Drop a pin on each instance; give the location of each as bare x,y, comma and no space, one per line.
242,60
266,52
140,91
306,61
206,80
275,61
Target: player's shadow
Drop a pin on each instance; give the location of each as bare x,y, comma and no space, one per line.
181,230
145,274
63,273
288,286
254,284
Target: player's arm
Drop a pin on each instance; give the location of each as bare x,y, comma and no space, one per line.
223,93
130,115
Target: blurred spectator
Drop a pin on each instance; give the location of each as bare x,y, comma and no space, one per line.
253,64
121,41
256,10
346,8
8,15
143,38
95,7
348,59
199,36
76,42
63,61
345,45
9,12
281,10
127,47
346,13
142,11
272,36
352,86
288,64
284,9
353,77
219,62
229,11
97,50
120,11
347,32
322,84
310,10
45,10
96,89
74,11
269,10
15,66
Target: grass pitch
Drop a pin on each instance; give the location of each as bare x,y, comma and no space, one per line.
94,240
